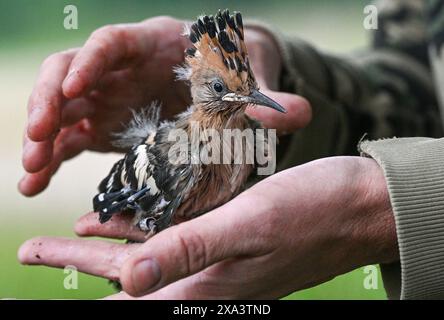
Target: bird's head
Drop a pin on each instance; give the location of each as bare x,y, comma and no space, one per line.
218,67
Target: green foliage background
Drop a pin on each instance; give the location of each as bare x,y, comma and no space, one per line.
31,30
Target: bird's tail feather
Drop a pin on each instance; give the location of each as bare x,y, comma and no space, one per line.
143,124
108,204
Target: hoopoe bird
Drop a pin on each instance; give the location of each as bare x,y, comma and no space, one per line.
156,189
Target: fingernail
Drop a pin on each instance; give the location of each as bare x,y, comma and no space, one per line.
145,275
67,83
70,73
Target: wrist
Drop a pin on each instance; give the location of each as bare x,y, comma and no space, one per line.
373,222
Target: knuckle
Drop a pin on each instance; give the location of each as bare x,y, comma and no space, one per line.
105,37
166,20
53,58
193,249
106,32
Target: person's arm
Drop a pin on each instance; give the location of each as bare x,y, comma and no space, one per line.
308,224
385,91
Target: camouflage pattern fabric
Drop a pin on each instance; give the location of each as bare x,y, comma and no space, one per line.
386,90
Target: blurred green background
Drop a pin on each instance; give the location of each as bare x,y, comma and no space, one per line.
32,29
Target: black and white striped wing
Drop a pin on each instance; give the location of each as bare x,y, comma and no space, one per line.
129,185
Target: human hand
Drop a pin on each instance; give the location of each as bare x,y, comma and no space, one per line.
82,95
293,230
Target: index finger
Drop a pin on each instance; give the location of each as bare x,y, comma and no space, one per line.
44,104
104,51
99,258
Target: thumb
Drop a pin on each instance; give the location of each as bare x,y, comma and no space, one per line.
298,112
186,249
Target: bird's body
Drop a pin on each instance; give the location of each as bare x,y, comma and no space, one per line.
155,186
185,190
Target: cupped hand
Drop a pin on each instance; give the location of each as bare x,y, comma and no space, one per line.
83,95
293,230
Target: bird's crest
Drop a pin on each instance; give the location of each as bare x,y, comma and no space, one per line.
218,44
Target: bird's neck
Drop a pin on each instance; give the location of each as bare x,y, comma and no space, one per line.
218,120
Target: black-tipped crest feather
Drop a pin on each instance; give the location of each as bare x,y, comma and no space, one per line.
226,36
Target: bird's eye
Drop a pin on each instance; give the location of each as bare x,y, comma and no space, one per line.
218,87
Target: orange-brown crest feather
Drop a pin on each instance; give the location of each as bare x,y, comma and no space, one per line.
219,46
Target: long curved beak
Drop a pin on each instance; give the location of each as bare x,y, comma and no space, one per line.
257,98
